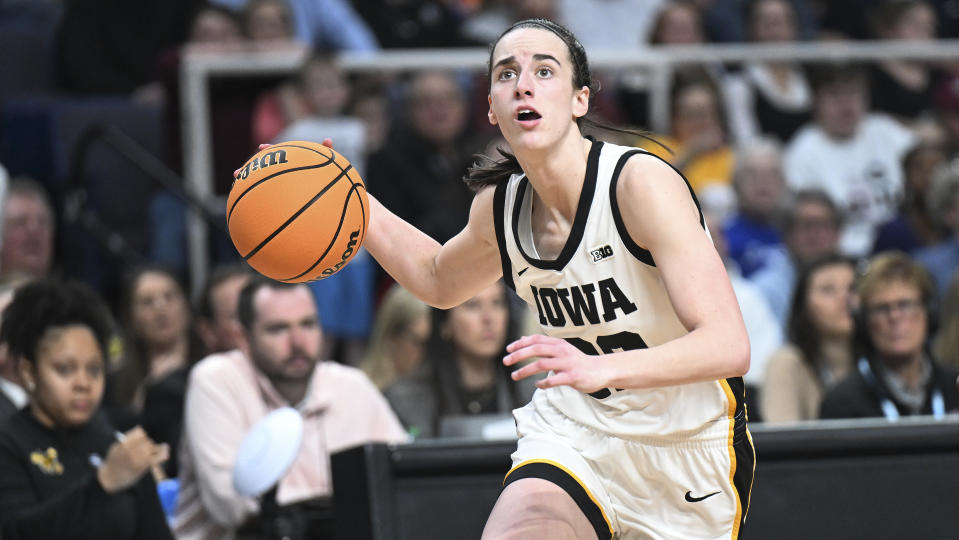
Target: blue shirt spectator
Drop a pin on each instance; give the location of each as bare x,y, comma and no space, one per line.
750,242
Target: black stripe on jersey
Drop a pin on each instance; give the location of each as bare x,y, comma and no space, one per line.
567,483
579,222
499,215
642,254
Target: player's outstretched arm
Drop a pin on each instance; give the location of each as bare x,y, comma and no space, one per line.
445,275
661,217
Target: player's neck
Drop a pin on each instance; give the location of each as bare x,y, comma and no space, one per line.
557,173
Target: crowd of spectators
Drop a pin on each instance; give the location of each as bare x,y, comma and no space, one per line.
831,191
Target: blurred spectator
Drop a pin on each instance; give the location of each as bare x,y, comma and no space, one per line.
946,341
853,155
760,195
216,323
485,26
698,138
417,174
213,29
610,24
214,26
724,19
769,98
277,365
324,24
914,226
319,95
111,47
64,471
397,343
675,23
810,230
896,375
851,18
903,88
942,259
820,348
403,24
945,345
947,110
28,230
268,21
313,109
370,104
762,326
465,373
149,383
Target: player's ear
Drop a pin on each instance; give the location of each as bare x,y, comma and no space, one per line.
581,102
491,115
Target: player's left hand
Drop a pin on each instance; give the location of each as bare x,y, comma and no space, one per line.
569,365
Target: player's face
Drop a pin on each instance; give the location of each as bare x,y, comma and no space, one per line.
284,340
478,326
896,320
67,378
532,99
828,300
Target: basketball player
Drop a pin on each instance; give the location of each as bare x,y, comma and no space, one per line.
639,429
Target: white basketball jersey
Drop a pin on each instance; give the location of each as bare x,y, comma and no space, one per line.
603,294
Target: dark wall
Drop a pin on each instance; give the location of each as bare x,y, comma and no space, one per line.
835,480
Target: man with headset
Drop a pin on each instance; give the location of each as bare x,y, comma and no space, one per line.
895,374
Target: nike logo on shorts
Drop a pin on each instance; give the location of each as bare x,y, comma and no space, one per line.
690,498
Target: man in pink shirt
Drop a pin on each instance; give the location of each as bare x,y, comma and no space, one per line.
277,365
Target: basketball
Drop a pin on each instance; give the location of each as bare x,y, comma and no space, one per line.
297,211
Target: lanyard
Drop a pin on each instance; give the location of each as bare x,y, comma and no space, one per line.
889,408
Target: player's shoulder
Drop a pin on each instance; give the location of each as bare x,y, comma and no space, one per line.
643,170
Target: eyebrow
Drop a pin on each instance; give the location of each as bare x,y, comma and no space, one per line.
537,56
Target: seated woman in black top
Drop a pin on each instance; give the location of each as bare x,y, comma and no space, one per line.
64,472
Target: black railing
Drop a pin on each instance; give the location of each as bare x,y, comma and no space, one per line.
77,211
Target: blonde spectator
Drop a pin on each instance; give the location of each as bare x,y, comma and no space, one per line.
398,339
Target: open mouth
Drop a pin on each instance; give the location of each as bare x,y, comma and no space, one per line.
527,114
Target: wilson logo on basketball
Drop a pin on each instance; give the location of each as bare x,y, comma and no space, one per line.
268,159
346,254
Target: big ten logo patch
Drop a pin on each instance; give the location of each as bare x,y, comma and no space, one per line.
266,160
47,461
601,253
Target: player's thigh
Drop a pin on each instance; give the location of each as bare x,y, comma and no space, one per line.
532,509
